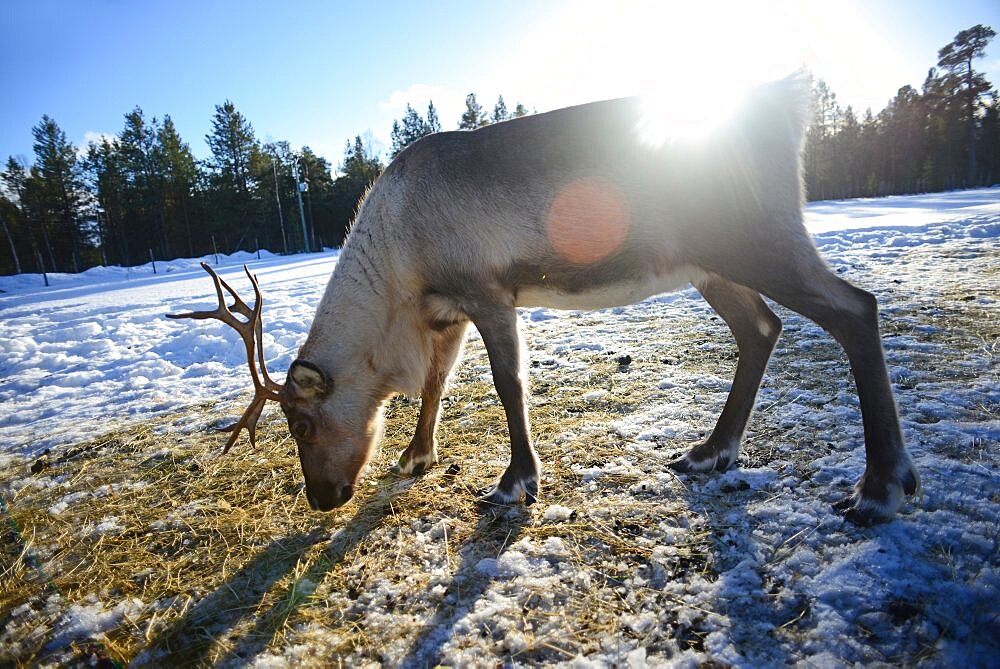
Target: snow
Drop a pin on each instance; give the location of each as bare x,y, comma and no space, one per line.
556,513
93,352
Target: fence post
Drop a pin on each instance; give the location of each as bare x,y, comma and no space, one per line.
256,243
215,250
152,260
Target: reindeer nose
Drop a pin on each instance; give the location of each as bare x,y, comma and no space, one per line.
329,498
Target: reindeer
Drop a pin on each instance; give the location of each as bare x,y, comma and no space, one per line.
570,209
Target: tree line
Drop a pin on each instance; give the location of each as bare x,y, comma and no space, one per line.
142,195
944,136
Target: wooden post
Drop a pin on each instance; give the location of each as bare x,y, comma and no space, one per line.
152,260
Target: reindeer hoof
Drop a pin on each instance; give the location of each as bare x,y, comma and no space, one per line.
861,512
844,504
911,482
856,511
407,466
680,465
718,462
511,493
871,504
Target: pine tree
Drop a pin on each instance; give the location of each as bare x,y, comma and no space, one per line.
520,111
414,127
315,172
472,117
104,168
398,139
848,155
943,122
9,212
818,152
956,58
989,139
142,164
904,139
277,186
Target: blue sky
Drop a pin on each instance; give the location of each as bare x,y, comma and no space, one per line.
318,73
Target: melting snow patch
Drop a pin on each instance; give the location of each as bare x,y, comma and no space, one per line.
90,621
555,513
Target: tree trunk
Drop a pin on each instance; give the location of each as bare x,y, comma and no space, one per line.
971,123
48,247
13,251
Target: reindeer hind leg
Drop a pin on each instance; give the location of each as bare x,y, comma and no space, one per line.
803,282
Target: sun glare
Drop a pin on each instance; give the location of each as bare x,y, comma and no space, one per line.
683,112
688,59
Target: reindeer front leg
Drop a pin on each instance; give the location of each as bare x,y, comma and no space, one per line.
498,326
756,330
421,454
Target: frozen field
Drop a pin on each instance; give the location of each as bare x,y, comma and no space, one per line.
621,562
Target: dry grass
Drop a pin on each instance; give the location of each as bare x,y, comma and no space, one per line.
226,558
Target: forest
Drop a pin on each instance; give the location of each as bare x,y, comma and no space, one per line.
142,195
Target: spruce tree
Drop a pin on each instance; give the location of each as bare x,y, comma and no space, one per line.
17,216
433,122
55,181
412,128
233,144
499,111
179,175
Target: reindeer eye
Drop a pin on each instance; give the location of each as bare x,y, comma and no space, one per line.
301,428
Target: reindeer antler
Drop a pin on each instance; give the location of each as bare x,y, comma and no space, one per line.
251,331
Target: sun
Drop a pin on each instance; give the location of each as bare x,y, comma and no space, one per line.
689,60
684,113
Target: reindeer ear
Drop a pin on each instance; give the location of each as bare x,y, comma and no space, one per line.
306,381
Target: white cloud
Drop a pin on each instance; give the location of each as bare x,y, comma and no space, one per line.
93,137
418,95
449,103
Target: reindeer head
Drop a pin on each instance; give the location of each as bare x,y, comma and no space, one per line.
334,446
335,429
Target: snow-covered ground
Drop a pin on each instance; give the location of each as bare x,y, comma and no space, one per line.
794,584
94,351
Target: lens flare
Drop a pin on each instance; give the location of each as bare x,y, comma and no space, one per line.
587,220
